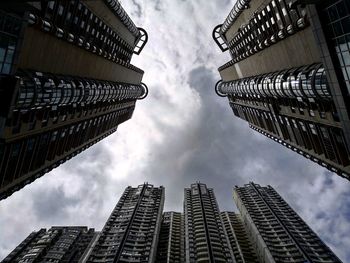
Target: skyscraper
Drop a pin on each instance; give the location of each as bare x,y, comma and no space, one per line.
58,244
267,230
276,230
289,74
131,232
205,237
66,82
242,247
171,239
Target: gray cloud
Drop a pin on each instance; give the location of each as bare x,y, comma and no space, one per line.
181,133
138,12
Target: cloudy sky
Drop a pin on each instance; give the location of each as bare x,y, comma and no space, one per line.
181,133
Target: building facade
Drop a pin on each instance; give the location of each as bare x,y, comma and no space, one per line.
171,239
239,240
278,233
288,76
266,230
131,232
57,245
206,239
66,82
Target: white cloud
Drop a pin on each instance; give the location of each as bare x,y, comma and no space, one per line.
182,132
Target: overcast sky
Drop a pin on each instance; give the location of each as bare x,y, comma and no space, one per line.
181,133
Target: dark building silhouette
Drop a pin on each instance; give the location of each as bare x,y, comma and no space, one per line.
58,244
131,232
276,231
289,74
66,82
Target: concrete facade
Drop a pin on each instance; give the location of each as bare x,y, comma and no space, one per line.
171,239
266,230
276,230
131,233
288,79
57,244
66,82
205,237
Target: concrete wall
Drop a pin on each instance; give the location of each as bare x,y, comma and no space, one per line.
263,252
45,52
244,17
100,9
297,50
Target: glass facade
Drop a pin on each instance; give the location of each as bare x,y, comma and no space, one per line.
337,19
37,89
304,82
10,28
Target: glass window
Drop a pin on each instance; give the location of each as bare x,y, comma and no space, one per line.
286,85
266,82
60,10
7,51
15,149
26,93
295,85
321,85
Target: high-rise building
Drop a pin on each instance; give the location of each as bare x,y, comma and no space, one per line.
239,240
58,244
131,232
276,230
171,239
289,74
267,230
206,239
66,82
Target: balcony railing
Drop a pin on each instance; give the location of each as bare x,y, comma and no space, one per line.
308,82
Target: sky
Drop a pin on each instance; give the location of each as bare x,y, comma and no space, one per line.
181,133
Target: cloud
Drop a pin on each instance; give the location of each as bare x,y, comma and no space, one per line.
181,133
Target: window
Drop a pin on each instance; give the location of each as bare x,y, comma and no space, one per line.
294,85
7,52
321,85
306,83
286,86
26,93
313,129
338,21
